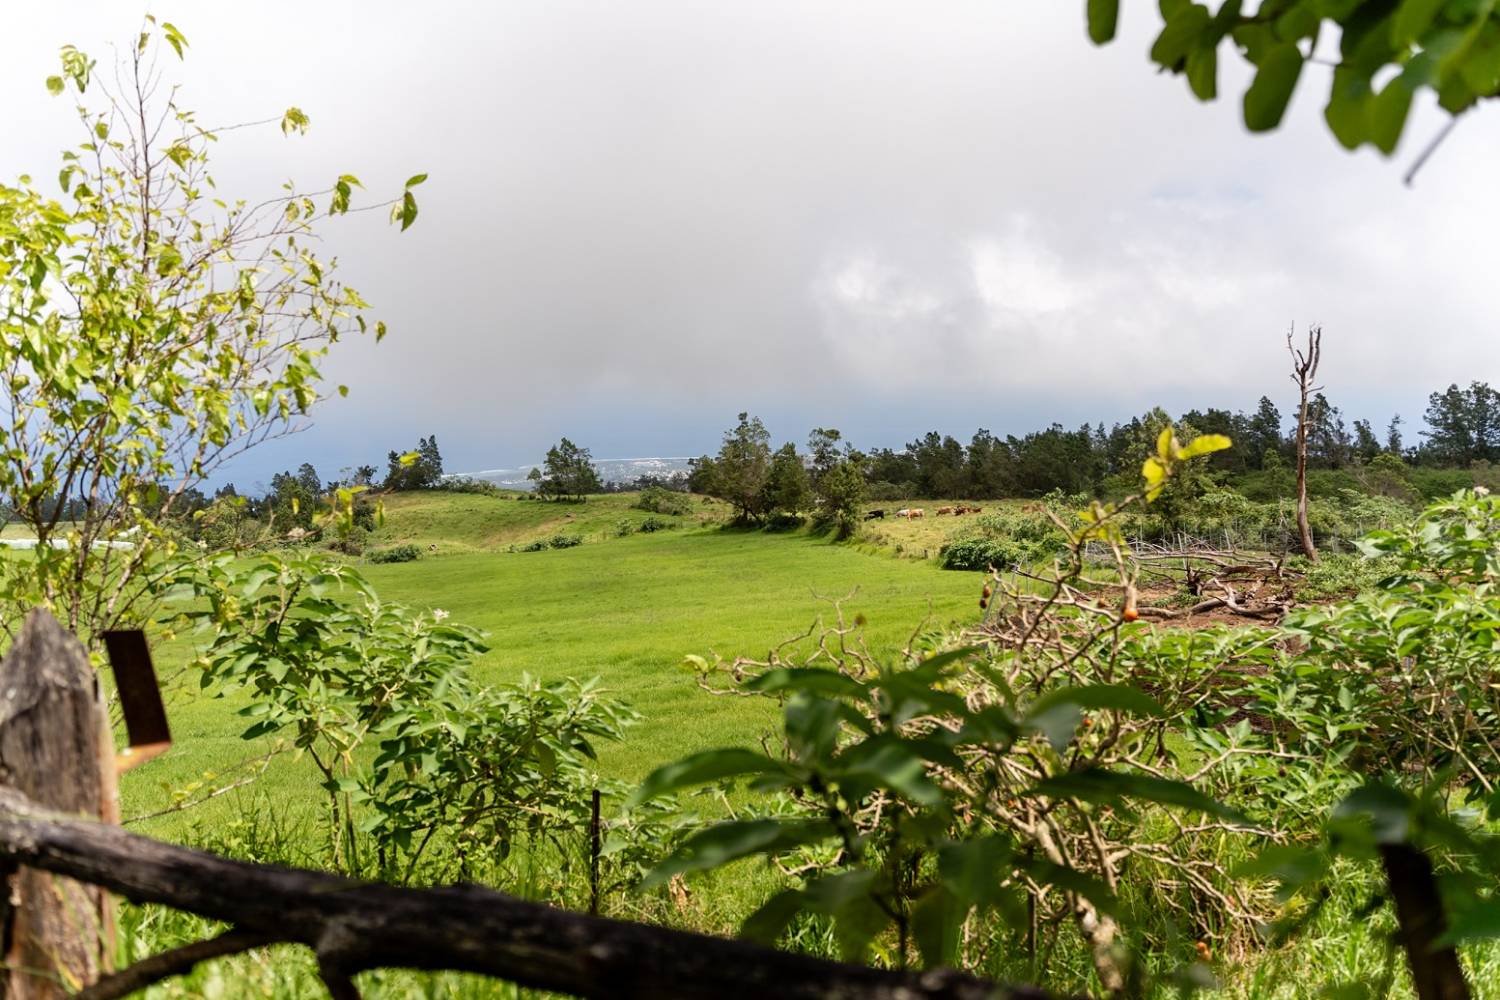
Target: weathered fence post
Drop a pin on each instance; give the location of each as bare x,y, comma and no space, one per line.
57,934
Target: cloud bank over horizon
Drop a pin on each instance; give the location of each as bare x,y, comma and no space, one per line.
883,217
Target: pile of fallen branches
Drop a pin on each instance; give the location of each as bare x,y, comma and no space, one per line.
1248,585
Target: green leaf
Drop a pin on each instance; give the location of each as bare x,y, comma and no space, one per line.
1412,19
770,921
1104,16
1275,80
1388,114
729,841
936,920
414,180
974,869
1203,72
1480,922
174,37
807,679
1204,444
1107,787
886,761
295,120
702,768
1180,35
1386,809
407,213
1348,103
54,85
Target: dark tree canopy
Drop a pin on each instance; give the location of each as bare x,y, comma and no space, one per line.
1464,425
421,469
568,472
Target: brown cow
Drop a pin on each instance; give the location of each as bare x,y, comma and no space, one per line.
949,510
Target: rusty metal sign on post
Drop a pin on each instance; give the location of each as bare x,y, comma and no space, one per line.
140,698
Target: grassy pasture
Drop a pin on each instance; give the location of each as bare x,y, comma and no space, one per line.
487,523
625,609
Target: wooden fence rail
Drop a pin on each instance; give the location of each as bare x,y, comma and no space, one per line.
353,926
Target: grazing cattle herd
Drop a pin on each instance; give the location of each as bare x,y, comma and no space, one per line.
912,513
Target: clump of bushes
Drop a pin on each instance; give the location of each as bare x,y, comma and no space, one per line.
1003,539
646,527
352,544
658,500
395,554
555,542
465,484
1339,575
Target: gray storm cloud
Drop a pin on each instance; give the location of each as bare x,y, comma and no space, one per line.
645,217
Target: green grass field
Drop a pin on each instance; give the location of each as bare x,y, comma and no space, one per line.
625,609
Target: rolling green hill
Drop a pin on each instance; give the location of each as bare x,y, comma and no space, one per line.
625,609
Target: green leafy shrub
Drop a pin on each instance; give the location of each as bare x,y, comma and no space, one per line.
1339,575
395,554
466,484
564,541
653,524
1004,539
379,698
659,500
1437,484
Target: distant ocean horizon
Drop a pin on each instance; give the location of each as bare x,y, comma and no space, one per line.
611,470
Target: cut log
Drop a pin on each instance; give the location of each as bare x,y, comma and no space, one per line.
57,934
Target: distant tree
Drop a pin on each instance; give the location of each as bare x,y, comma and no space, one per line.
990,467
419,469
1234,426
787,489
700,477
1329,445
292,500
1366,444
307,478
1263,433
941,467
740,470
429,464
569,472
1057,459
1393,436
893,473
364,475
841,494
824,451
1465,425
539,485
227,490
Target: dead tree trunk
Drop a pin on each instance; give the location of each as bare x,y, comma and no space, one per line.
1304,371
57,934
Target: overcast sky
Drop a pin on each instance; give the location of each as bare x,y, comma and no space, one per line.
645,217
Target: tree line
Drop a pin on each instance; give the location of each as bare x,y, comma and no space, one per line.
829,477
